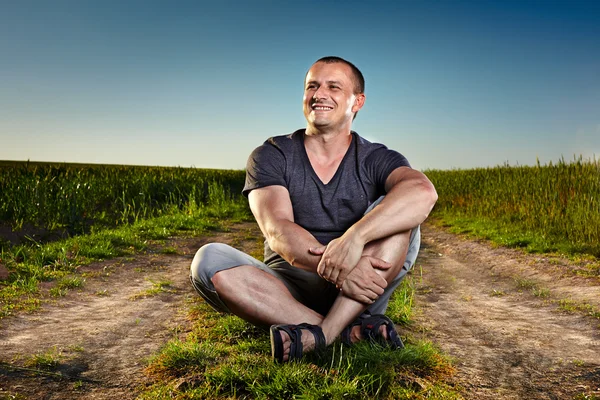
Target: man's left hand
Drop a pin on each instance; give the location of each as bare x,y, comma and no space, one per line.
339,258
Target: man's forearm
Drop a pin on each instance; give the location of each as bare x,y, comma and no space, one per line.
405,206
292,242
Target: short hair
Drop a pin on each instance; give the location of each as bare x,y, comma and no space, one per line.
359,79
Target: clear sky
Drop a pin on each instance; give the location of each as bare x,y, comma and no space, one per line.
449,84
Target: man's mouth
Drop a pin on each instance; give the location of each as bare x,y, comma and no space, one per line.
320,107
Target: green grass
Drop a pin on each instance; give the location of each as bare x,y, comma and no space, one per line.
226,357
66,283
158,287
47,360
59,261
573,306
75,198
550,208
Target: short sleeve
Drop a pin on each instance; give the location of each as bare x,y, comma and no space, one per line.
265,167
381,162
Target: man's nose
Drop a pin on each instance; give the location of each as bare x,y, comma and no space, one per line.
320,93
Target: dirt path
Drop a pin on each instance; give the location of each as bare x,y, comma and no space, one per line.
506,342
102,335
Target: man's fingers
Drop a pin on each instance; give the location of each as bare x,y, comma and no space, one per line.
321,268
317,251
339,281
379,263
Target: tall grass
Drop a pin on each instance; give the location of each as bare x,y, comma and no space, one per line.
74,197
558,203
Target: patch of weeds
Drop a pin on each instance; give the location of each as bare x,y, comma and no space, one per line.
527,284
102,293
572,306
78,385
497,293
533,286
66,283
8,395
583,396
48,360
169,250
541,292
157,288
76,348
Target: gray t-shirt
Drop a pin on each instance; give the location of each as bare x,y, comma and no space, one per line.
325,210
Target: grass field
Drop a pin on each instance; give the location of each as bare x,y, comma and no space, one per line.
75,199
543,208
107,211
225,357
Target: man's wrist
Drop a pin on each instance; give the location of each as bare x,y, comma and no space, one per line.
355,235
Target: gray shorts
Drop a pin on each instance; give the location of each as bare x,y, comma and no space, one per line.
306,287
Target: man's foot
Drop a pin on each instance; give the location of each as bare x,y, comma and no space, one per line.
290,342
377,328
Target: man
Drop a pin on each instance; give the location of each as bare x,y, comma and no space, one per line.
340,216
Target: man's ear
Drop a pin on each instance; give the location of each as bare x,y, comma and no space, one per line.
359,102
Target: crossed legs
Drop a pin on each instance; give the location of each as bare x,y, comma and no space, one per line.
259,297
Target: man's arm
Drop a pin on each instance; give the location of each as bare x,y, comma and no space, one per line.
272,208
409,200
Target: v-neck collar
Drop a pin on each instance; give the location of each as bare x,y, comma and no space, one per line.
338,171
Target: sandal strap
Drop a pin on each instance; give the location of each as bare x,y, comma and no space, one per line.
295,334
369,329
317,332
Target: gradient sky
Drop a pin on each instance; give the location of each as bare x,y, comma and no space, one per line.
449,84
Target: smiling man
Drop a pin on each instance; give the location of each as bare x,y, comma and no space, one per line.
340,216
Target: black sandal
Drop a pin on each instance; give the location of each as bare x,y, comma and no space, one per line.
369,329
295,334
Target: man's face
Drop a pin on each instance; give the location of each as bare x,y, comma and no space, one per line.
329,98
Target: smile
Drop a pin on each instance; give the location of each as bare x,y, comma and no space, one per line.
322,108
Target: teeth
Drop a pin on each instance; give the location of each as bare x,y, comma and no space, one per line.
320,108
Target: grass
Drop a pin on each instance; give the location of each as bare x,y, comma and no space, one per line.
573,306
226,357
532,286
59,261
75,198
550,208
66,283
47,360
158,287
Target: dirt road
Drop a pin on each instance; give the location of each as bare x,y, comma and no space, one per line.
506,342
495,311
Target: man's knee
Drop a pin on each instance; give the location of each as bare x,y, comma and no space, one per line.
210,259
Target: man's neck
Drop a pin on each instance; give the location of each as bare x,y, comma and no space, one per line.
327,145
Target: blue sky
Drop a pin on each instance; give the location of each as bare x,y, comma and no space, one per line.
449,84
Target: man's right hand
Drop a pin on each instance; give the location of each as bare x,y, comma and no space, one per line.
364,284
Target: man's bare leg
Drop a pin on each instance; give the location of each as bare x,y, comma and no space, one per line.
345,310
260,298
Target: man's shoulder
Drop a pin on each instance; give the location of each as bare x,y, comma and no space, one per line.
277,148
285,141
367,145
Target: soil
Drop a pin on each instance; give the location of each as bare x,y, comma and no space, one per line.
506,343
476,303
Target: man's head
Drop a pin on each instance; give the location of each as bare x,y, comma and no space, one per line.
359,79
333,93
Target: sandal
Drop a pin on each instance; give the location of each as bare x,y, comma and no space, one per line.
369,329
295,334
